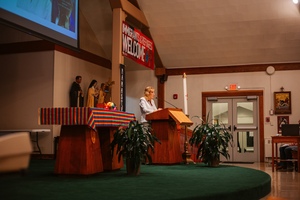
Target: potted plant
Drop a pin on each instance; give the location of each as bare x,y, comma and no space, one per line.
212,140
132,143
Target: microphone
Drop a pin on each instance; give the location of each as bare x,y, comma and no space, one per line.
166,102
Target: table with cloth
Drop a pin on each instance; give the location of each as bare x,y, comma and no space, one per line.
85,136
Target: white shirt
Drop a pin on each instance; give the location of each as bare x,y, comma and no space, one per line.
146,108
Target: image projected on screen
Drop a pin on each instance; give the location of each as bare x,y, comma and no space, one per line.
56,19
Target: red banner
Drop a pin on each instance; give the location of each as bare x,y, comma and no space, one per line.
137,46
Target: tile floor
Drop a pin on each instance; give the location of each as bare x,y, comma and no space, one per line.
285,185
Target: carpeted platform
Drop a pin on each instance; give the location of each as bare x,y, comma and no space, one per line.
229,162
154,182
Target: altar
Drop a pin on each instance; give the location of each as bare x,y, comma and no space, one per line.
85,136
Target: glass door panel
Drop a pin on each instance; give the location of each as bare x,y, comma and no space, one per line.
239,115
244,112
245,142
245,129
220,112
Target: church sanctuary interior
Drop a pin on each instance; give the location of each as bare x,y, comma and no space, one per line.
232,62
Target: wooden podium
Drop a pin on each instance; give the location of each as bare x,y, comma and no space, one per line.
164,123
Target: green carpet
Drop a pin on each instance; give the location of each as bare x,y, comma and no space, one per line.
154,182
230,162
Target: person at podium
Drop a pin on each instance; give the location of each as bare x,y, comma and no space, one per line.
147,104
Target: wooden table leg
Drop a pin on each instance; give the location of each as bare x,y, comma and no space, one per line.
272,155
79,151
298,159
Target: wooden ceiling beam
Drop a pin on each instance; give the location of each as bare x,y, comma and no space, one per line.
232,69
43,45
130,9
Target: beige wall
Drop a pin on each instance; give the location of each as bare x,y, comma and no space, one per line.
196,84
26,84
87,38
33,80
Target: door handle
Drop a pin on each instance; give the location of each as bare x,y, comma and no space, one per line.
246,127
234,128
229,128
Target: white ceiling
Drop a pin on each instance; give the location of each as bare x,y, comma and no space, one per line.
201,33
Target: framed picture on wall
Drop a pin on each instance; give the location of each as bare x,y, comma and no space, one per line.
281,120
282,103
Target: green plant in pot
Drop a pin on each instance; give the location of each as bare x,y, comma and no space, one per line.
212,141
133,143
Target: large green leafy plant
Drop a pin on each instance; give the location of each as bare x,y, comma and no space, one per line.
212,140
133,142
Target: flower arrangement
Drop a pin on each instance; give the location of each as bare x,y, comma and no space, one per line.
110,106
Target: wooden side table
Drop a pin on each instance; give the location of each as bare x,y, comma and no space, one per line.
284,139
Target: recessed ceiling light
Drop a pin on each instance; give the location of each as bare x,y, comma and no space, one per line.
295,1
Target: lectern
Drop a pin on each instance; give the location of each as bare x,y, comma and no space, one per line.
164,124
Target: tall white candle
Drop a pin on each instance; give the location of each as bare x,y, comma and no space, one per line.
185,95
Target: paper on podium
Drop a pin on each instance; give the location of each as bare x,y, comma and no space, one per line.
176,114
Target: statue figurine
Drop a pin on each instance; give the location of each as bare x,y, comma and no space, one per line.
107,90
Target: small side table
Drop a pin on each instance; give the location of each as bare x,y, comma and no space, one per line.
35,133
